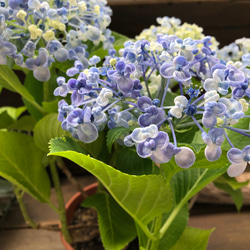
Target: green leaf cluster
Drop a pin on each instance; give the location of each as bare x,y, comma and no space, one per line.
152,203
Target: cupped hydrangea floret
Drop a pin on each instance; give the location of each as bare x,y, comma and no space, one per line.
155,148
152,115
121,76
239,159
178,69
39,65
6,49
141,134
218,82
79,89
214,138
234,110
62,89
185,48
185,158
118,119
81,120
104,96
212,111
180,103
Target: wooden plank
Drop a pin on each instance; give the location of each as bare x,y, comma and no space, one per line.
130,2
30,239
225,21
39,212
232,229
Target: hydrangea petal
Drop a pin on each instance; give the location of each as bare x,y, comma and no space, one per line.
236,169
160,156
42,74
141,134
213,152
185,158
87,132
235,156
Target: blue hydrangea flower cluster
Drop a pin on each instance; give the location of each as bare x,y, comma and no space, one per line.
37,33
209,93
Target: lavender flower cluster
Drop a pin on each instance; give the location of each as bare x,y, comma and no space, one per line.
209,93
37,33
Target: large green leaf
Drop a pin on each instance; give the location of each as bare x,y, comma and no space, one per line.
128,161
232,187
176,229
142,197
186,183
98,148
14,113
21,164
35,88
110,218
236,195
5,120
231,181
10,81
47,128
25,123
193,238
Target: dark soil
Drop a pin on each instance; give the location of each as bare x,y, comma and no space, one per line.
85,232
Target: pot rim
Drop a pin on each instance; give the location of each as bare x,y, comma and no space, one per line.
71,206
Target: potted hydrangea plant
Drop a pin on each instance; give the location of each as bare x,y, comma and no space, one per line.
173,114
38,39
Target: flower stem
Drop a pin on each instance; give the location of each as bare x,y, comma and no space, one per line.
62,211
157,226
19,195
68,174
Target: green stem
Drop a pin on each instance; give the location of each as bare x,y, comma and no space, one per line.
15,25
62,211
46,91
19,195
156,233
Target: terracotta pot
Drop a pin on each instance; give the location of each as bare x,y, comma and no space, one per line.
72,205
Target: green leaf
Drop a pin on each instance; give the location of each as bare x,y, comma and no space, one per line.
67,142
236,195
119,39
48,127
34,87
117,228
25,123
238,140
10,81
231,181
14,113
63,66
98,148
5,120
21,164
193,238
176,229
128,161
142,197
50,107
186,183
186,137
114,134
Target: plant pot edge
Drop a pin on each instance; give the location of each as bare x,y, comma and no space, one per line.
71,206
